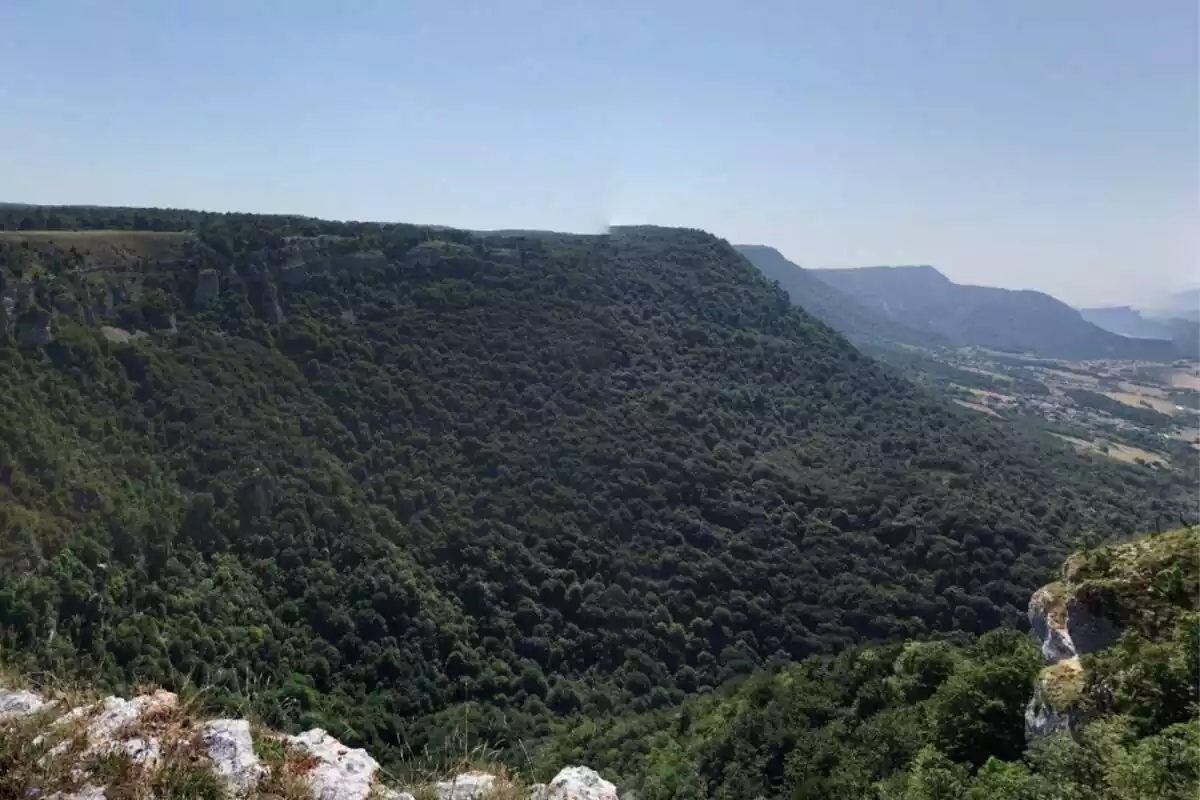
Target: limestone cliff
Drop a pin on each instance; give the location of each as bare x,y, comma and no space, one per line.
1139,588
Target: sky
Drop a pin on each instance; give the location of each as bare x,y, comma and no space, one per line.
1017,143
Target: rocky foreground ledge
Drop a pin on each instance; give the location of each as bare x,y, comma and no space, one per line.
154,746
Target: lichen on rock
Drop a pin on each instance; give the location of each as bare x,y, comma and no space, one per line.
231,748
340,772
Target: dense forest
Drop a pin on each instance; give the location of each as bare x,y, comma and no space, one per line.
367,476
933,720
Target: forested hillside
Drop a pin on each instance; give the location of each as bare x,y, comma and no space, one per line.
355,475
920,297
935,720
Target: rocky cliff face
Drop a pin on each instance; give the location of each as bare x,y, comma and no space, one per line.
154,746
94,291
1138,586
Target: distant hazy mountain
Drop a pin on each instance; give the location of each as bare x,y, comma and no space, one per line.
835,308
1128,321
1188,301
922,298
1181,305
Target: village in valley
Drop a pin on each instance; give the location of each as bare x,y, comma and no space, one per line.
1137,412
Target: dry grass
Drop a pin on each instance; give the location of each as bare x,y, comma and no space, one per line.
1130,454
287,768
422,771
1073,378
50,751
1191,436
1185,379
1125,453
1063,684
1142,400
977,407
1079,443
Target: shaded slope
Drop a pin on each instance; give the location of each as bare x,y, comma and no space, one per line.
920,297
544,474
832,306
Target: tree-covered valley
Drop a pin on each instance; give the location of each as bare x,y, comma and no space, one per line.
376,477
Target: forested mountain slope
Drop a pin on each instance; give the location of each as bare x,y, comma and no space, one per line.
1019,321
832,306
939,720
356,474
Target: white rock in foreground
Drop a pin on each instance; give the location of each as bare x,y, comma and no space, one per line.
341,773
20,703
231,748
117,714
392,794
579,783
467,786
86,793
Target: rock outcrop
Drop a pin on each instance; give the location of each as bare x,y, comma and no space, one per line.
208,286
231,748
1102,594
1066,630
467,786
154,731
576,783
340,772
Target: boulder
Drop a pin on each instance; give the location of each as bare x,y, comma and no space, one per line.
86,793
231,748
20,703
117,715
340,772
467,786
579,783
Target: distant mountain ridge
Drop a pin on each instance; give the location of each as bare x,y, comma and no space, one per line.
922,298
836,308
1134,323
1126,321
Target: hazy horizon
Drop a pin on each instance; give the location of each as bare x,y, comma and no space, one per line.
1023,145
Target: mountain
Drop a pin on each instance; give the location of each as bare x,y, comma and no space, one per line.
1127,321
832,306
382,479
1184,305
922,298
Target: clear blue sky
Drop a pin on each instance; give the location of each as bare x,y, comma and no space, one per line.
1048,144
